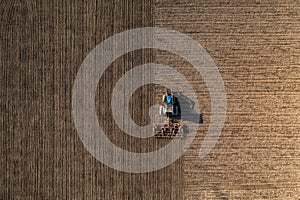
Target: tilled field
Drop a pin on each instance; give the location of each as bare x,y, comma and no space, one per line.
256,46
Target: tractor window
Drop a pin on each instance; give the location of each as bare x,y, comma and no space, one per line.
169,98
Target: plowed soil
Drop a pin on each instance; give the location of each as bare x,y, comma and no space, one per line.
256,46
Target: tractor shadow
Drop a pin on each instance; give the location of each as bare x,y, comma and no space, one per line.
187,106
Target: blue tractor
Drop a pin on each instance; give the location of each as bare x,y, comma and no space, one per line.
172,127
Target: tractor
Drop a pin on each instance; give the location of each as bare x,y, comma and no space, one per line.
172,127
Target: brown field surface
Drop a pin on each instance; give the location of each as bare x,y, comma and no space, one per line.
256,46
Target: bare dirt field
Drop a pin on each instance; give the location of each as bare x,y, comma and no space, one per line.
256,46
